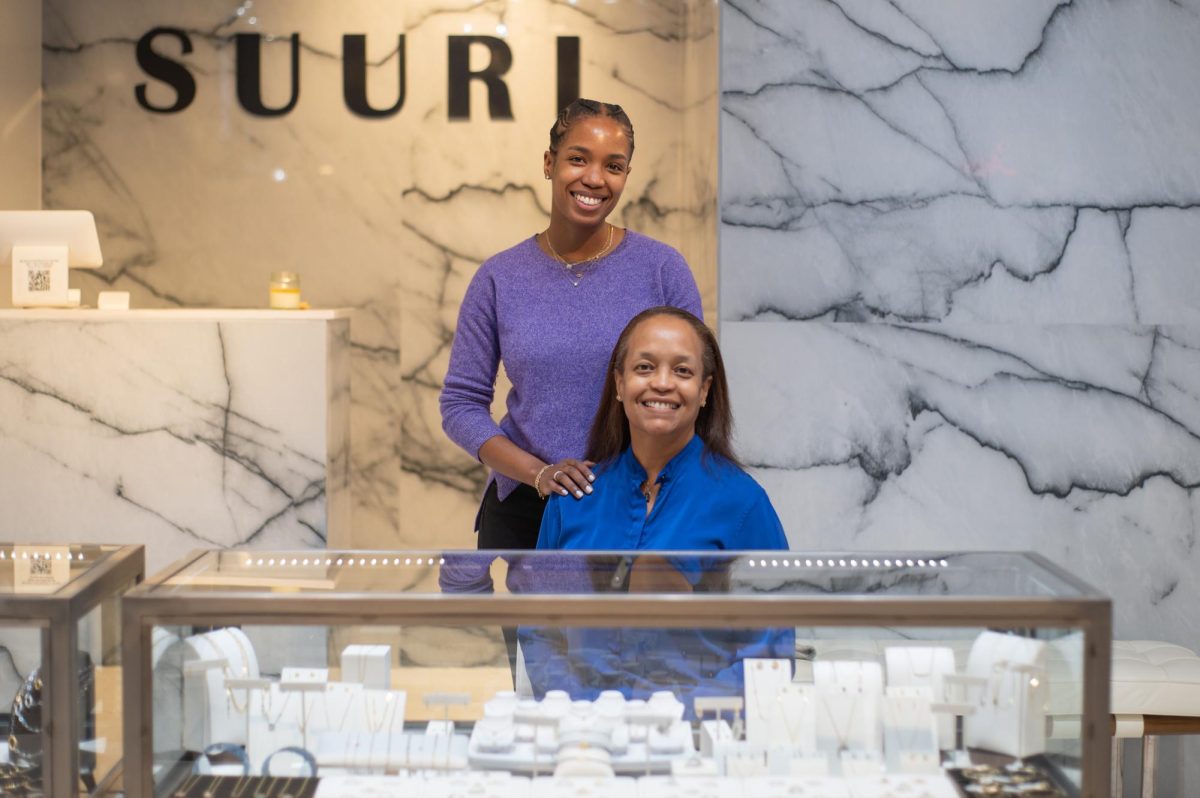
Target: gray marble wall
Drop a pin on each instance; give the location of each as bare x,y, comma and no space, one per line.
959,288
388,216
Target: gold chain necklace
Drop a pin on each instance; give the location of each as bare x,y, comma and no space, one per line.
576,277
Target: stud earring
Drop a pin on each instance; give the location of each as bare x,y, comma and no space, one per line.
618,397
547,177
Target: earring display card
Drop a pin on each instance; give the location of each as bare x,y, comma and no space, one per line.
764,678
910,735
796,720
848,721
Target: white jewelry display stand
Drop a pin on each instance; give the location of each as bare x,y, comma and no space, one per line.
923,668
848,711
212,712
1010,708
370,666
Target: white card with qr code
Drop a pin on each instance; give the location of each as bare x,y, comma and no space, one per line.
39,276
40,569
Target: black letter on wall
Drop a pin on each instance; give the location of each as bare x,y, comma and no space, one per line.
460,76
249,77
173,73
354,76
568,71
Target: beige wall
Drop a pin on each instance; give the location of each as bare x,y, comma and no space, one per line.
20,114
391,217
20,107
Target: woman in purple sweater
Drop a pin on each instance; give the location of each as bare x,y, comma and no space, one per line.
551,309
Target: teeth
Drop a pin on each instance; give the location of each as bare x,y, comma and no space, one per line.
586,200
662,405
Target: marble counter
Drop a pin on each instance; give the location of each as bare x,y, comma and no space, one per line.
176,429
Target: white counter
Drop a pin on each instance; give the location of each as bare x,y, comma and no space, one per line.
173,314
175,428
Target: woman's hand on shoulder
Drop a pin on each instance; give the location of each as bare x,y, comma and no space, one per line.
568,477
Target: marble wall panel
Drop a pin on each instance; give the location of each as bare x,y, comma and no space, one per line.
958,285
389,216
177,434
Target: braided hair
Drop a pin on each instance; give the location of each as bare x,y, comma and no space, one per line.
586,109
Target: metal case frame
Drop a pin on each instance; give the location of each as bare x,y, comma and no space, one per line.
1089,612
57,615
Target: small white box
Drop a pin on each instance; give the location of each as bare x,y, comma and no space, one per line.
113,300
370,666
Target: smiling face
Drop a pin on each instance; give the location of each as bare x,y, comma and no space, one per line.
662,382
588,171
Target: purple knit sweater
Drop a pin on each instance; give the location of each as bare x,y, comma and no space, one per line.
555,340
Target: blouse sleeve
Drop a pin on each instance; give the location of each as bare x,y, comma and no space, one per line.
466,398
761,528
679,285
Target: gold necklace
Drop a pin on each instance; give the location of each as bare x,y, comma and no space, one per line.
647,489
576,277
842,738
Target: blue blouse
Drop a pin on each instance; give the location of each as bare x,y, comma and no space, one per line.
704,502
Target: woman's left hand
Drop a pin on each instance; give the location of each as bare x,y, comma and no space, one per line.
569,477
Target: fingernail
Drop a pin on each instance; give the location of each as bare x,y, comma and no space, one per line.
591,477
587,488
578,494
563,491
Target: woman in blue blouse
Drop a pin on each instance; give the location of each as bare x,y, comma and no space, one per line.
661,441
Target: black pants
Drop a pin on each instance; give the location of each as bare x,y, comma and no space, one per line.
510,524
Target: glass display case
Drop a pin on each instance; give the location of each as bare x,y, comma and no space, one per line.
639,675
60,657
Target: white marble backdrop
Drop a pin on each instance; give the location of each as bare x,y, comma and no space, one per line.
175,433
390,217
959,290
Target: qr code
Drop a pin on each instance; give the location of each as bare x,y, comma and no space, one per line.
39,279
39,568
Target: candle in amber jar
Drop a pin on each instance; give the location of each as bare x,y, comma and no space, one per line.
285,291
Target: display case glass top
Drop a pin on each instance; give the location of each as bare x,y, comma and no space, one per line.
983,575
40,569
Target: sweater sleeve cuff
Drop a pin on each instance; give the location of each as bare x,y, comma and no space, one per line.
478,434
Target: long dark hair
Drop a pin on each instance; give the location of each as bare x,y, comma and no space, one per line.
586,109
610,428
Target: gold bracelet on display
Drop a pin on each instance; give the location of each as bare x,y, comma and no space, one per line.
537,482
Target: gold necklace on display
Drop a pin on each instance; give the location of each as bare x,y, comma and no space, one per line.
843,738
574,273
245,674
271,724
929,662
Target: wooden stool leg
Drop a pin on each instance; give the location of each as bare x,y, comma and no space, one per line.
1118,768
1149,764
